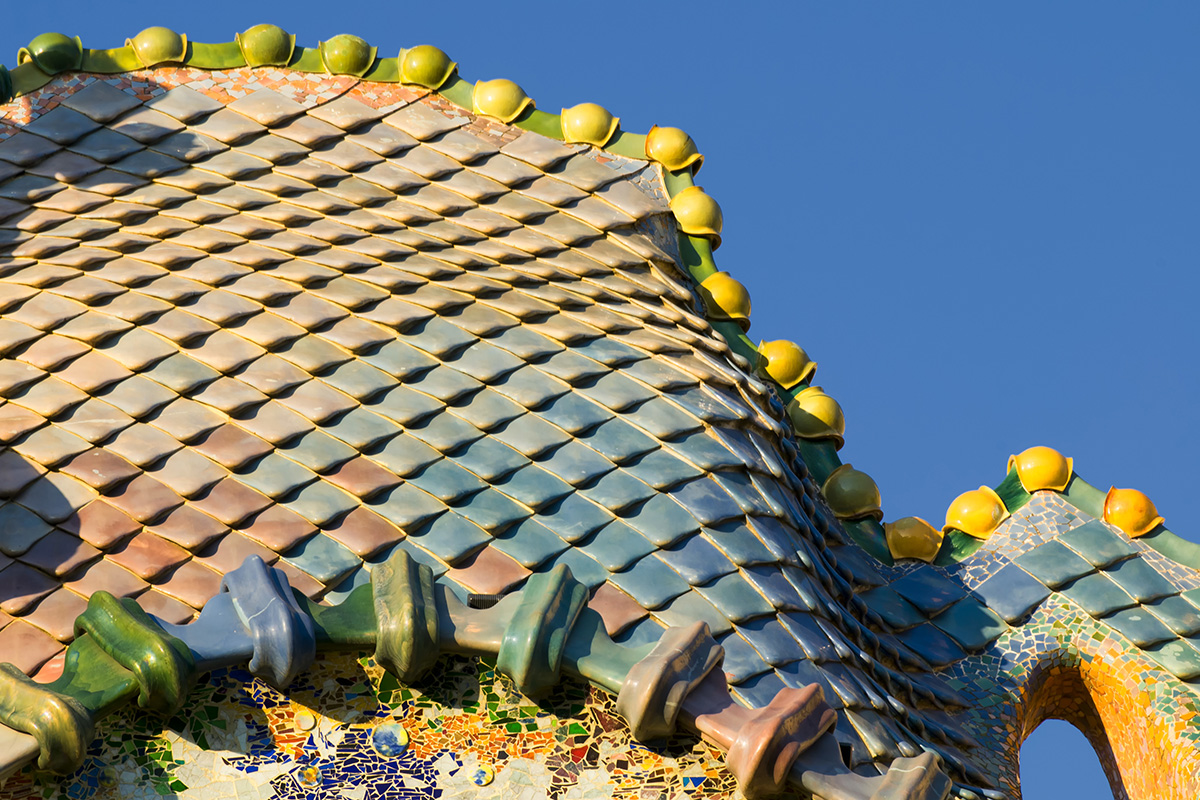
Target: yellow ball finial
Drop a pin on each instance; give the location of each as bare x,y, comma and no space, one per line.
852,494
698,214
673,148
786,363
1042,468
976,513
1131,511
501,99
726,299
588,123
816,415
913,537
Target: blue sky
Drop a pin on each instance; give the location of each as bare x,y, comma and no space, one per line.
980,220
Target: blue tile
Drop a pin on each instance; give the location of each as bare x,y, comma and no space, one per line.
855,561
362,429
575,414
1053,564
485,362
849,691
739,443
1140,627
405,455
616,392
322,502
643,632
572,367
275,476
401,360
663,419
705,406
1098,595
322,558
610,352
1179,658
706,500
529,543
618,490
451,537
970,624
1097,544
690,607
799,674
575,463
816,644
897,612
525,343
531,435
534,487
737,541
619,441
774,585
742,661
438,337
487,410
492,510
697,560
406,406
706,452
1141,580
661,470
446,384
447,481
760,690
318,451
736,598
651,582
616,546
530,387
773,642
661,520
661,375
739,486
489,459
1012,593
573,518
934,646
1178,614
779,538
406,506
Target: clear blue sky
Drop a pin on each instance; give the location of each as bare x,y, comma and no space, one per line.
980,219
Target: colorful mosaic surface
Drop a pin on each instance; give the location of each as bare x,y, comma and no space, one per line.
347,729
463,381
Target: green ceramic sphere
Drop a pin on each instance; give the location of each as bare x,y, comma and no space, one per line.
426,65
55,52
345,54
158,45
266,45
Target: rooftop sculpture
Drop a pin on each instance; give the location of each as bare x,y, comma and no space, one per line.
370,432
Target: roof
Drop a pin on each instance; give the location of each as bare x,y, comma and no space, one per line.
365,322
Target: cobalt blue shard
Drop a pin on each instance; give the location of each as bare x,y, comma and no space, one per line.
283,635
1012,593
1141,580
1096,542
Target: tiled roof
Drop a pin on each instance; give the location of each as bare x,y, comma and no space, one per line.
310,318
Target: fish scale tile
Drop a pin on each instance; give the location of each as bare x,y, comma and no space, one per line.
444,368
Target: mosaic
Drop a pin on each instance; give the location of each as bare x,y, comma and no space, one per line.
347,729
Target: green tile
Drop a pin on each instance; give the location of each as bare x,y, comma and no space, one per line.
1096,542
492,510
531,435
1053,564
651,582
616,546
1141,580
736,598
1178,657
663,419
661,470
1178,614
618,490
533,486
529,543
445,432
928,590
708,453
321,502
574,518
706,500
1098,595
970,624
451,537
362,429
616,392
576,414
1140,627
489,459
897,612
447,481
406,506
275,476
662,520
617,440
690,607
737,541
322,558
404,455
